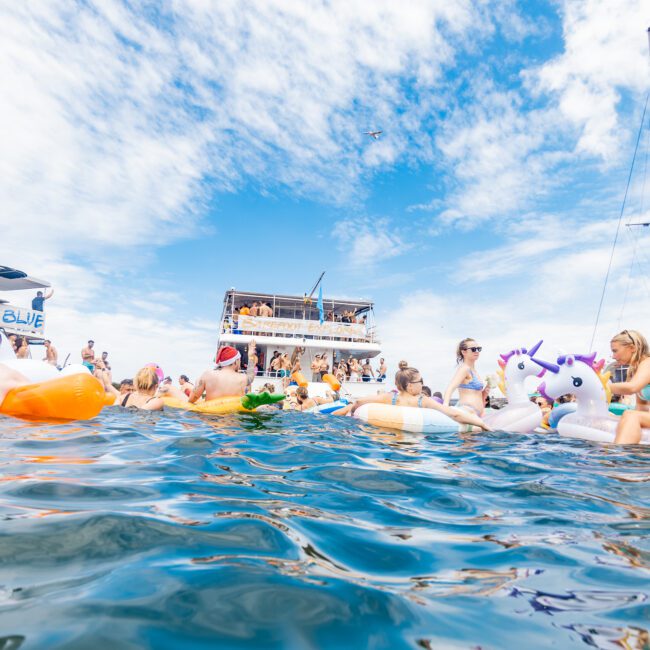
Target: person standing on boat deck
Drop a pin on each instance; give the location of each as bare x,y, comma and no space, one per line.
382,370
226,380
51,355
630,348
472,390
324,366
315,368
22,347
255,309
366,371
107,365
88,356
37,303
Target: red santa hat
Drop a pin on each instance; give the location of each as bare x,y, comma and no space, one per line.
226,356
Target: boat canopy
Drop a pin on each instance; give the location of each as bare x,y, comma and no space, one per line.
294,306
15,280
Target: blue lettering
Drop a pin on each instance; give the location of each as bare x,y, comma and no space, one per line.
9,316
38,321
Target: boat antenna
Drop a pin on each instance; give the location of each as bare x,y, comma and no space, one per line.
311,293
620,217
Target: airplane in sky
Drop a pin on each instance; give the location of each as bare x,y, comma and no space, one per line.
373,134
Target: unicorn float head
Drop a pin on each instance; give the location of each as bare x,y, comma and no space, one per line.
580,375
514,367
520,415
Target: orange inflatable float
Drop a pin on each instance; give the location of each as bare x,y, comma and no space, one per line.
334,383
299,378
72,397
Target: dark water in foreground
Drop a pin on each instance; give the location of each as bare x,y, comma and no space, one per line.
300,531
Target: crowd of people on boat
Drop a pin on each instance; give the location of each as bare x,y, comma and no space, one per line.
148,389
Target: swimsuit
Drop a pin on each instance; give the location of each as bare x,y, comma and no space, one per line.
396,395
474,384
644,393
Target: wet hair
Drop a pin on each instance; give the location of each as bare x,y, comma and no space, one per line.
462,346
426,391
405,375
184,378
146,379
301,392
126,382
641,349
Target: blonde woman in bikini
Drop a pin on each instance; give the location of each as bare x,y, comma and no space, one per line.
472,390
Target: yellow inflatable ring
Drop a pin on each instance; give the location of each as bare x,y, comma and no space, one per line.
73,397
223,405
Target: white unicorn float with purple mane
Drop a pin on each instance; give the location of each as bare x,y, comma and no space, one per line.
580,375
520,415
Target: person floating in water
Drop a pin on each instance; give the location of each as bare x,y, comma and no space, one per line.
408,382
472,390
225,380
630,348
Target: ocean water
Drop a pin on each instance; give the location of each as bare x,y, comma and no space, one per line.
284,530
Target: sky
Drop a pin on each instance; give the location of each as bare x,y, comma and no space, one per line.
156,154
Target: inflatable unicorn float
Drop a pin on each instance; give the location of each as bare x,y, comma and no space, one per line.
520,415
581,375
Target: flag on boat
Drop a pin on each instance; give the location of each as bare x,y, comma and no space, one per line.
319,304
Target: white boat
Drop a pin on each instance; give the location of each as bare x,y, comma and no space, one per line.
295,323
15,319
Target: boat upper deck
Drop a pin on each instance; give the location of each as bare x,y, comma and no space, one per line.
249,314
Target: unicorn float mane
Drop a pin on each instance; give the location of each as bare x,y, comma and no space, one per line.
503,362
588,359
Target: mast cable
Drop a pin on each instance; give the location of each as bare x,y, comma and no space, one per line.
618,226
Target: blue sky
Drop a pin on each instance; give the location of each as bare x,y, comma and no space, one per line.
154,158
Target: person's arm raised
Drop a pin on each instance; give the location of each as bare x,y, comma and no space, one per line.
48,294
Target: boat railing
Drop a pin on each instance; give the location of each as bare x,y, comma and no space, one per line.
308,375
299,328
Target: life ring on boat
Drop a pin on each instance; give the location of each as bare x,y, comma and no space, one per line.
224,405
406,418
333,382
74,397
299,378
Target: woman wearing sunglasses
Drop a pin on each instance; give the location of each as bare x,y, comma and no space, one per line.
630,348
408,382
472,390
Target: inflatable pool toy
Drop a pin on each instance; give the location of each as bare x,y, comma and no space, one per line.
6,350
223,405
334,383
299,378
558,413
580,375
159,371
520,415
407,418
73,397
328,407
35,371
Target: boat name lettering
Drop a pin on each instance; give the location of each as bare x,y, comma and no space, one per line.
293,326
23,319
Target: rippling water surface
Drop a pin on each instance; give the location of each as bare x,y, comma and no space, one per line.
297,531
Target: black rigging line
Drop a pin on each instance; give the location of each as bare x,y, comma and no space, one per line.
618,227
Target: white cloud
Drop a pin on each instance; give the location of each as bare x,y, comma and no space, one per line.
366,242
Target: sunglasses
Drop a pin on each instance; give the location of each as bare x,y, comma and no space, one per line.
474,349
419,381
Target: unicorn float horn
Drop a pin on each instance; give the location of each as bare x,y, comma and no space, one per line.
531,352
551,367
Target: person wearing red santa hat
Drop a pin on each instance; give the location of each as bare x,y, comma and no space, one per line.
225,379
